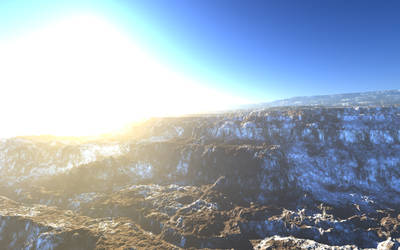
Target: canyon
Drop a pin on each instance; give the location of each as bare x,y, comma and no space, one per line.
308,177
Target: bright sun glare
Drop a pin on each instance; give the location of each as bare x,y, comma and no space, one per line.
82,76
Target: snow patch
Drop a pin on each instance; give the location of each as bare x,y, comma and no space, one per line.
46,241
347,136
380,136
182,167
144,170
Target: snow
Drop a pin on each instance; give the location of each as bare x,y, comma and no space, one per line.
179,131
182,167
361,160
200,205
183,241
27,159
249,130
348,136
389,243
306,132
321,135
91,152
379,136
46,241
228,128
2,224
179,222
107,224
143,170
183,164
350,118
155,139
245,130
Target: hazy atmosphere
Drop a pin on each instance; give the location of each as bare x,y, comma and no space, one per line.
89,67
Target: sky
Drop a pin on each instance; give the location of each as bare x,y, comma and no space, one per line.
68,66
267,50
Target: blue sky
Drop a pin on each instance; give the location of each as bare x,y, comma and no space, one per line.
260,50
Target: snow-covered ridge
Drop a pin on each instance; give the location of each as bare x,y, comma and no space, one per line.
318,150
349,125
373,98
29,158
334,171
324,148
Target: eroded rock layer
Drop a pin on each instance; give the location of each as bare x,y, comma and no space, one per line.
299,177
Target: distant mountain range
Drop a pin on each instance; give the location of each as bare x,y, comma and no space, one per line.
372,98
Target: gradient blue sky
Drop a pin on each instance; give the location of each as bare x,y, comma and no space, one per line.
260,50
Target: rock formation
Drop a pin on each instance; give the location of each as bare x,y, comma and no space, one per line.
278,177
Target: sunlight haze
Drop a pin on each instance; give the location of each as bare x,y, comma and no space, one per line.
88,67
83,76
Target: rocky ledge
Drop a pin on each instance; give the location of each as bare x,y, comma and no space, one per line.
294,177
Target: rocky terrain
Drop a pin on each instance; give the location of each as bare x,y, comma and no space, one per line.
308,177
372,98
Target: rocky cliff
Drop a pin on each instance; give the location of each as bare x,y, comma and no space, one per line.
297,176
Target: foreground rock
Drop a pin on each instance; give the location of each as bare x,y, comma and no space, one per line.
277,242
209,216
42,227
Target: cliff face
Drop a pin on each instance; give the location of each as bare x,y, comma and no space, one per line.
288,169
333,154
318,150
